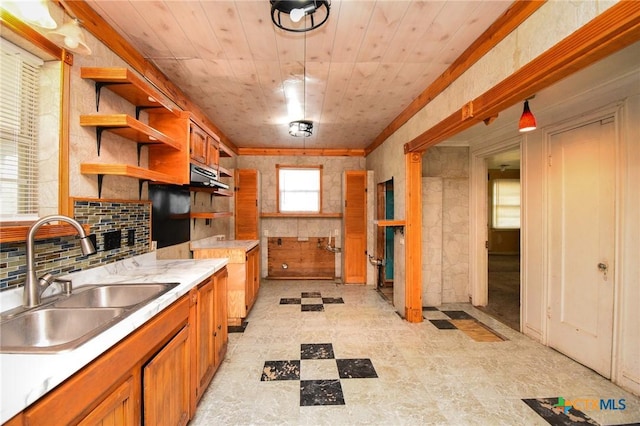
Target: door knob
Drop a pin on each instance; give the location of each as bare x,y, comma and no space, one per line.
603,267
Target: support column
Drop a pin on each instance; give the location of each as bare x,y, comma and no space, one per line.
412,235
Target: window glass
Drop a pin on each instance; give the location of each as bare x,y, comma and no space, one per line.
299,189
506,204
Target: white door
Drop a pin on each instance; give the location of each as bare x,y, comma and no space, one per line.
581,245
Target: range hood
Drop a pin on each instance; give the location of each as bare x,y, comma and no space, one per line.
205,176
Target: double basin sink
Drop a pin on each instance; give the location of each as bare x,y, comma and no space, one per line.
68,321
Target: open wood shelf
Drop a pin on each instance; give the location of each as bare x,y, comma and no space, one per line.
128,127
127,85
213,191
224,172
303,215
127,170
389,222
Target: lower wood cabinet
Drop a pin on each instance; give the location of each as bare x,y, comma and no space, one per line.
150,376
166,383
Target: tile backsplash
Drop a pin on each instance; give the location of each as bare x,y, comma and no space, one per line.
62,255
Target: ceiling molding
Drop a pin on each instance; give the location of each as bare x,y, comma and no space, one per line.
293,152
609,32
502,27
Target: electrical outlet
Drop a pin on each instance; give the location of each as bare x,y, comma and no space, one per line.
112,240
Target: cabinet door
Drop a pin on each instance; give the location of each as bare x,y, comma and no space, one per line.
246,199
355,227
214,153
220,317
205,335
252,278
198,144
166,383
117,409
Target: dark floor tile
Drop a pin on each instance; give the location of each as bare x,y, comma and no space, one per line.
312,308
290,301
443,324
429,308
238,328
281,370
332,300
458,315
357,368
320,392
557,414
311,294
316,351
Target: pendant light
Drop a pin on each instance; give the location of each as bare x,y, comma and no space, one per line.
302,128
297,10
70,37
35,12
527,119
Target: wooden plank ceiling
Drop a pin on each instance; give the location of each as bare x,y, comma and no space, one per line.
356,73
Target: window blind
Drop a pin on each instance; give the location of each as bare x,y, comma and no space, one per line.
19,111
506,204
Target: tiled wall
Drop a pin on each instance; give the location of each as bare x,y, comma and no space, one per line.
62,255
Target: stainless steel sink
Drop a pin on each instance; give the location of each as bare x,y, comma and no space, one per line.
113,296
54,330
66,322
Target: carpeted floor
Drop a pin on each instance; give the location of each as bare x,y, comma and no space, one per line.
504,289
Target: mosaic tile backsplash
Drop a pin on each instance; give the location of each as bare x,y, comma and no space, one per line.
62,255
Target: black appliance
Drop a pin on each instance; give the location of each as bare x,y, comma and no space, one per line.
170,214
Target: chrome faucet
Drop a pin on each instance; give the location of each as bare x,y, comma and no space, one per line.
33,287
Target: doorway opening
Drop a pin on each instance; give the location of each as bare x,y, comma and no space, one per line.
503,237
385,240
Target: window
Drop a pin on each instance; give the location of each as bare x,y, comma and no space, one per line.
19,113
299,189
506,204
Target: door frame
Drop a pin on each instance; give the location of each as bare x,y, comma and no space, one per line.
478,219
616,110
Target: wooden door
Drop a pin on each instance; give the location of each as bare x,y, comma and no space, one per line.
205,357
355,227
581,245
166,383
246,199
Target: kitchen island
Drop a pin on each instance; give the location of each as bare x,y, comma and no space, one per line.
244,272
28,379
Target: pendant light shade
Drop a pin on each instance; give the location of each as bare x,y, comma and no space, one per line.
35,12
301,128
70,37
293,11
527,119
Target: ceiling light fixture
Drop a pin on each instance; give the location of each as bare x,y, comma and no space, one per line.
34,12
527,120
70,37
296,11
301,128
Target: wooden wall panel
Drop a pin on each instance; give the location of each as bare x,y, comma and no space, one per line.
304,259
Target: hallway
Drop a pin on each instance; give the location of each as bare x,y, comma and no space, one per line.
314,352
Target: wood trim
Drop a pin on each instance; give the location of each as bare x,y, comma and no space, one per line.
64,141
96,25
413,240
11,233
24,31
515,15
609,32
301,152
302,215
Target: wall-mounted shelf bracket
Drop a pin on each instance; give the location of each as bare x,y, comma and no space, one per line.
396,225
140,184
140,108
99,86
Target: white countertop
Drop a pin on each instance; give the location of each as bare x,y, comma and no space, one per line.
213,243
27,377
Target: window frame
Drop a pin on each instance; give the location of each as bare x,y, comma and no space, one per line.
494,206
297,167
31,40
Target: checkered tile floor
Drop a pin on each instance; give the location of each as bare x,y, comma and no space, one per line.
317,359
311,301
